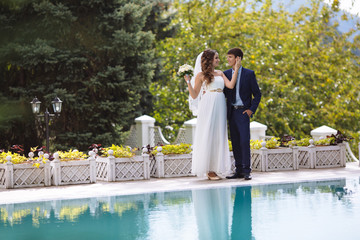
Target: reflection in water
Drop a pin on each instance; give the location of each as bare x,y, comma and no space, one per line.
241,228
218,217
213,210
319,209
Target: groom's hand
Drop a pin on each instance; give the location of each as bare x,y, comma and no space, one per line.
248,112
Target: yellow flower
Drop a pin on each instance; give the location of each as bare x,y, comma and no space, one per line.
37,165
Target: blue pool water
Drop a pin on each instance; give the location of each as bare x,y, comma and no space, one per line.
309,210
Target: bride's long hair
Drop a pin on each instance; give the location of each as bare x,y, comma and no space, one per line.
207,65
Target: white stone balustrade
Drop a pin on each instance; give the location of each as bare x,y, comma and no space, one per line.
143,124
322,156
113,169
322,132
265,159
73,172
25,174
190,128
172,165
145,132
257,130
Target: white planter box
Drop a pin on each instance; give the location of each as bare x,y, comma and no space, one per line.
322,156
277,159
172,165
265,160
113,169
24,175
73,172
255,161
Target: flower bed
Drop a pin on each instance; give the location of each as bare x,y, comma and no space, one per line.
323,153
268,156
171,161
25,174
255,161
72,168
274,159
322,156
114,167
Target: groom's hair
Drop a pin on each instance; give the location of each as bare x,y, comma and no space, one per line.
236,52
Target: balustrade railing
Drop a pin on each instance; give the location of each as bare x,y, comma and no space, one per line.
145,133
156,137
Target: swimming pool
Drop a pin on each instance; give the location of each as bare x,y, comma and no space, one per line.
305,210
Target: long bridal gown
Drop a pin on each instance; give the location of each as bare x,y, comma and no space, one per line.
211,149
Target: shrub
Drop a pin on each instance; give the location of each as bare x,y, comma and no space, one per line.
15,157
71,155
271,143
325,141
181,148
119,151
230,145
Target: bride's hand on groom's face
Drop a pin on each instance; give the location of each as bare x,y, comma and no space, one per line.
238,62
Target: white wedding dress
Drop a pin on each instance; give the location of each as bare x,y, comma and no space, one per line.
210,148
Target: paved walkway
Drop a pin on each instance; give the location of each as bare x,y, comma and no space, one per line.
101,189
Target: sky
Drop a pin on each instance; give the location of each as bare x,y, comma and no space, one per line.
351,6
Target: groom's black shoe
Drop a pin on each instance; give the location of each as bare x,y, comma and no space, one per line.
236,175
247,177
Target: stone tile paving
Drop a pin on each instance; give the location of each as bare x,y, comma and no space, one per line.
101,189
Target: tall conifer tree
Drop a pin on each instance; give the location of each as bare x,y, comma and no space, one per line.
97,56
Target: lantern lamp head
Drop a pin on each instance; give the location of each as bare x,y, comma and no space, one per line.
57,103
35,105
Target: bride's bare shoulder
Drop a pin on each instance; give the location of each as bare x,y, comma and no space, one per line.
200,74
218,72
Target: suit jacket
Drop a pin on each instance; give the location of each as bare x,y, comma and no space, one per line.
249,91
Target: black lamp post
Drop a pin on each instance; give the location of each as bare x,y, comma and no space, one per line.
57,104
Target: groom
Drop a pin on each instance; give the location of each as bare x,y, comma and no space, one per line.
242,102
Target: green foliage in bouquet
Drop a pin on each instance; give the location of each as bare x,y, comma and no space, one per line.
72,155
119,151
181,148
185,69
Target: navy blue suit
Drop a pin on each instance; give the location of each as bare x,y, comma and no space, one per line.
239,122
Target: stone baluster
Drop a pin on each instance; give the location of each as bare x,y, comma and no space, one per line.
92,164
190,128
143,124
146,159
312,153
257,131
55,170
9,173
160,172
47,170
264,156
111,166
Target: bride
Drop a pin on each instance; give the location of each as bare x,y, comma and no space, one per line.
210,147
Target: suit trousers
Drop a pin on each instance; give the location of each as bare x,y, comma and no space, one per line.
240,138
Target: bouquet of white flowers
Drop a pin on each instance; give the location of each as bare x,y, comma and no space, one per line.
185,69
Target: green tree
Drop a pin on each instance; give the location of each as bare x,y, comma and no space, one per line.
308,72
96,56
